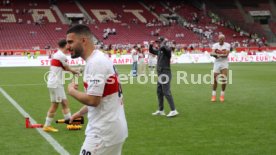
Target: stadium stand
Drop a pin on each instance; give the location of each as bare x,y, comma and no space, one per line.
273,27
36,24
68,6
156,7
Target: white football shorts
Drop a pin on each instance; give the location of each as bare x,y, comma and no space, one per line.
218,66
57,94
94,145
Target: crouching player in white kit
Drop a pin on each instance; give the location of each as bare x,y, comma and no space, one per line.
106,130
55,85
220,52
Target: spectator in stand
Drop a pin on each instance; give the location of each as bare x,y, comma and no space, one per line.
157,31
20,21
80,21
264,40
113,31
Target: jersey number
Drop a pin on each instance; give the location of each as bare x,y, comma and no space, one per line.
84,152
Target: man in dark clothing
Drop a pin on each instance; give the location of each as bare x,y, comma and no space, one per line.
164,76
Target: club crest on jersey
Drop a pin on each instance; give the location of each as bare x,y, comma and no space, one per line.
95,81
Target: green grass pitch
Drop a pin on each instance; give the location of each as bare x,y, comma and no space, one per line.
245,124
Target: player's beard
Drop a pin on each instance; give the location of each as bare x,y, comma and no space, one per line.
221,42
77,52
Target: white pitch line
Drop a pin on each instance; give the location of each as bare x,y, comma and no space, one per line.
48,137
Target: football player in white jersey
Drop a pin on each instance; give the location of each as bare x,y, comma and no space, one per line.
220,51
152,60
55,86
134,55
106,130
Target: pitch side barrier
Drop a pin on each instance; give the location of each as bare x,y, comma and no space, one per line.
20,52
25,61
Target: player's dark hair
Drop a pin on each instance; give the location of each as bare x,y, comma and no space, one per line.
80,30
62,43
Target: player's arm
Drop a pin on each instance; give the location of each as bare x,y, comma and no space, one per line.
96,79
86,99
152,50
224,54
67,68
79,114
213,53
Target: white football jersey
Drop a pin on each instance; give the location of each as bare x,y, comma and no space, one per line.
58,61
107,120
225,46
